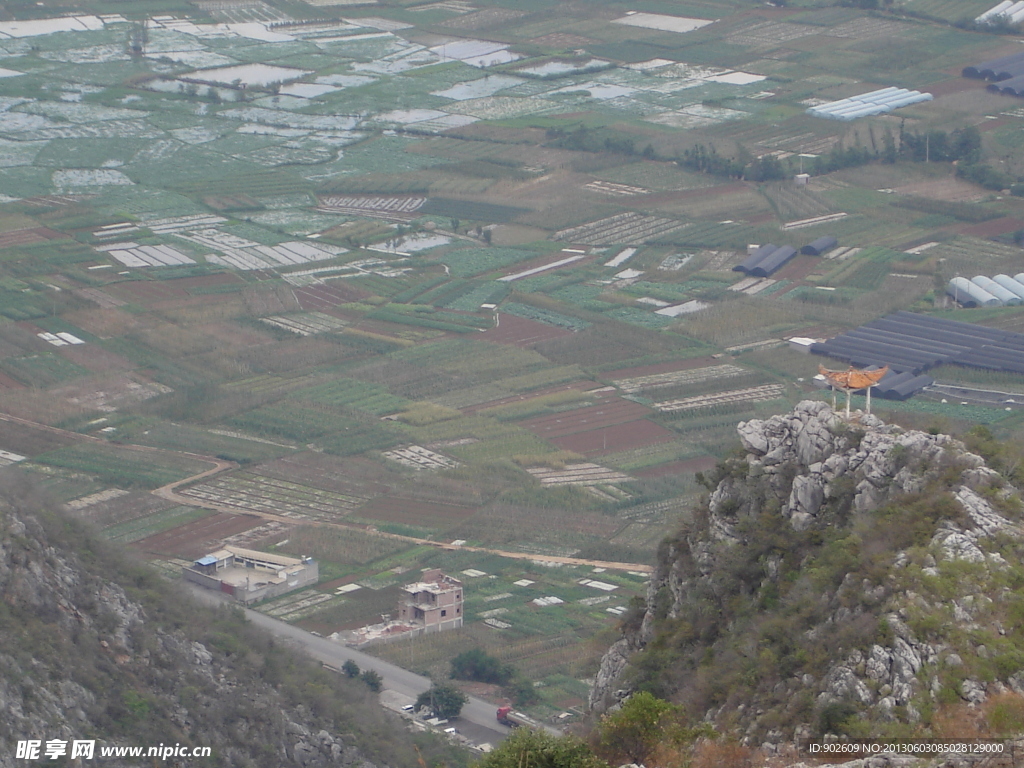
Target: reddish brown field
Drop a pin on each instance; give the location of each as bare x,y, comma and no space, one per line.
95,358
954,85
197,538
203,281
614,410
702,464
321,296
235,335
521,332
993,228
393,509
799,268
104,323
26,236
145,291
30,441
619,437
6,382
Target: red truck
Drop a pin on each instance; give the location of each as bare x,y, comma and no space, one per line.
506,716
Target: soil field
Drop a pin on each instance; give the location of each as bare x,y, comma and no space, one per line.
29,441
95,358
798,269
110,510
322,296
521,332
350,475
146,291
394,509
197,538
6,382
651,370
701,464
234,335
190,284
614,410
993,228
953,85
503,523
105,323
667,198
618,437
951,189
283,498
27,236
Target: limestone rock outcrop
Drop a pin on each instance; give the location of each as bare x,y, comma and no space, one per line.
827,565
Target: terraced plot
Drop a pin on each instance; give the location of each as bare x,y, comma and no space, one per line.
579,474
621,229
611,411
198,537
750,394
248,492
679,378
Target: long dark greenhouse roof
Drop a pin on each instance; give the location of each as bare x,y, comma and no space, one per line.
906,341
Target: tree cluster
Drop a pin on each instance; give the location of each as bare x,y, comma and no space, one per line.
481,667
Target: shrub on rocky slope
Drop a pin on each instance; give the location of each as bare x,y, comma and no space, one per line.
841,576
96,646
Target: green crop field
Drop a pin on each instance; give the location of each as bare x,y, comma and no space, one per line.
140,528
123,467
393,184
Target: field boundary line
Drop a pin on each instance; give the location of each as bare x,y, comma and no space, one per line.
168,492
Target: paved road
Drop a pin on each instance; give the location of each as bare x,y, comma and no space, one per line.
477,721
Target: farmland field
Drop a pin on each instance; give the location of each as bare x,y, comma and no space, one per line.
122,466
437,277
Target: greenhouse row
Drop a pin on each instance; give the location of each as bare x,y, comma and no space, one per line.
767,259
1003,68
982,291
874,103
909,342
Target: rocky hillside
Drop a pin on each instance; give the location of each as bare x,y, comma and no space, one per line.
96,647
841,576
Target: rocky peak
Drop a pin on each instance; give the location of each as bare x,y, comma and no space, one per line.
837,565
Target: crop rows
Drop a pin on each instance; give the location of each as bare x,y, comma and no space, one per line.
578,474
256,493
545,316
751,394
121,466
387,206
678,378
623,228
716,235
419,458
305,324
292,420
140,528
352,393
